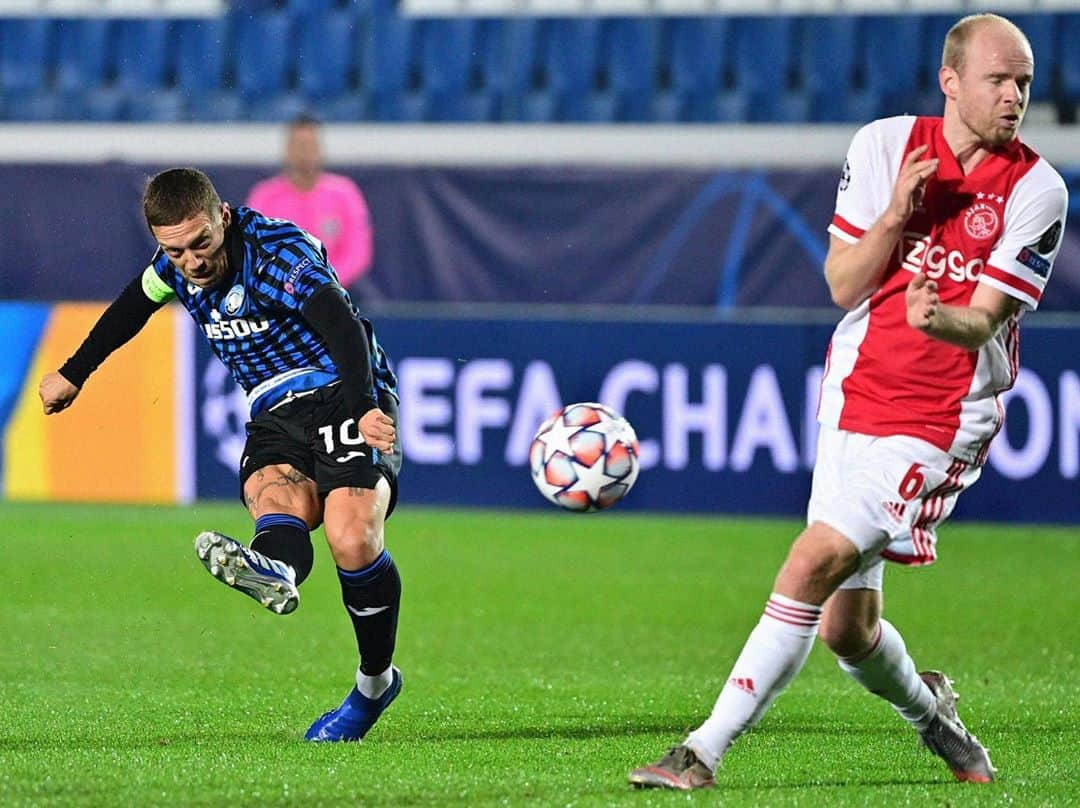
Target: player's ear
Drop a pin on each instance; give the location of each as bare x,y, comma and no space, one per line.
226,214
948,80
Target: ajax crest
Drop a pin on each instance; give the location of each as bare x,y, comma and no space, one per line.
981,221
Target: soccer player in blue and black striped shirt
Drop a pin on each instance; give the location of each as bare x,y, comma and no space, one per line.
322,445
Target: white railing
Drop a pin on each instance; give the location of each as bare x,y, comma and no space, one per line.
623,145
112,8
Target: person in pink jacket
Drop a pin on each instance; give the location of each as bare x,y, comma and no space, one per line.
328,206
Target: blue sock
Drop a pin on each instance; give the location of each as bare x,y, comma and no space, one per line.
285,537
372,596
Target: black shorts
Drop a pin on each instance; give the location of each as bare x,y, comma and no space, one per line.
316,436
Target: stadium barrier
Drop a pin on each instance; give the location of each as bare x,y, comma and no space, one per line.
723,408
710,237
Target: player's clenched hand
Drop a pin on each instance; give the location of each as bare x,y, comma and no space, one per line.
378,430
922,302
911,183
56,393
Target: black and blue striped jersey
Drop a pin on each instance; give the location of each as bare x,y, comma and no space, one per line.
252,319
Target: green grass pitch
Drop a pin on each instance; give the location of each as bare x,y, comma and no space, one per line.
545,654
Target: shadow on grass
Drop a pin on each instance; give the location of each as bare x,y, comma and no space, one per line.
676,726
539,733
836,782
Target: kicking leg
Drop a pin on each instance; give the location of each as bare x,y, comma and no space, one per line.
283,503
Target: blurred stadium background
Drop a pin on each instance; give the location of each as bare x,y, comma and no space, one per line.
621,200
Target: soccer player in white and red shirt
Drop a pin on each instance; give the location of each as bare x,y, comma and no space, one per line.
945,232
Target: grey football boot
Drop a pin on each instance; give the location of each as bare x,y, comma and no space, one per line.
948,738
267,580
679,769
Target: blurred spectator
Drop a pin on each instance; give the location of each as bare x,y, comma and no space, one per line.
329,206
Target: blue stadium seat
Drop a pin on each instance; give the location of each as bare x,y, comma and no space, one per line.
313,6
569,61
827,65
253,7
695,56
263,48
24,68
765,66
142,70
446,48
326,60
630,59
82,69
141,53
200,46
485,94
891,61
24,52
1068,58
390,72
82,49
513,55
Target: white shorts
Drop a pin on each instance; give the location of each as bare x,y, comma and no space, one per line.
887,495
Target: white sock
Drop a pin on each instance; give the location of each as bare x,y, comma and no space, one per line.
887,670
374,686
773,654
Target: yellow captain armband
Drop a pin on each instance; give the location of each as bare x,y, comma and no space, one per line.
155,288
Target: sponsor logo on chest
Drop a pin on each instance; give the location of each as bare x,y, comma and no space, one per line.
235,327
955,249
918,253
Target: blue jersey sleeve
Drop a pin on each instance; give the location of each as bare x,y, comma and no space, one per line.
294,273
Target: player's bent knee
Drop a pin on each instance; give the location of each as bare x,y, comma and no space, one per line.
849,623
845,638
357,546
354,530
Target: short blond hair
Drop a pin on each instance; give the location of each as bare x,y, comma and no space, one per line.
956,41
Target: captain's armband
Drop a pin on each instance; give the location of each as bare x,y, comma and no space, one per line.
155,288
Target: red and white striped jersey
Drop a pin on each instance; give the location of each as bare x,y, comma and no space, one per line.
1000,225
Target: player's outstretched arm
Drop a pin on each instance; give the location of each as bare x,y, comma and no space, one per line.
854,271
56,392
121,321
968,327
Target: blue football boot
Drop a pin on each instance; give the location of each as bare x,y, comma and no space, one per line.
356,715
269,581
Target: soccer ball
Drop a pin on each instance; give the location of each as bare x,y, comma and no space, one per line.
584,457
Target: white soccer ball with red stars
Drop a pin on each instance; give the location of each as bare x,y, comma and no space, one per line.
584,457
